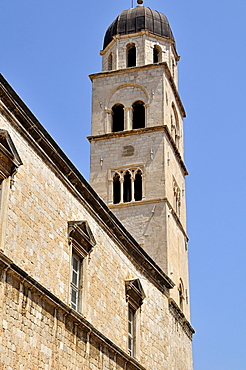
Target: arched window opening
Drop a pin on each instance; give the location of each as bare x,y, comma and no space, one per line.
157,54
175,127
177,137
127,185
173,68
176,198
138,186
138,115
127,188
177,201
116,188
118,117
181,295
110,62
131,55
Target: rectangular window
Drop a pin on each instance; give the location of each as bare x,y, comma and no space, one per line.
131,331
4,205
75,281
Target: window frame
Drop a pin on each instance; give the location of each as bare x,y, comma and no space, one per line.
138,115
157,54
118,118
181,292
8,168
131,336
76,287
131,55
176,198
134,298
119,175
110,61
81,241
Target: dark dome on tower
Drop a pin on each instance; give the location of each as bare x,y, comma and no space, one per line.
138,19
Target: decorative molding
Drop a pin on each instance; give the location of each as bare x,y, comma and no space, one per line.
177,219
145,130
122,86
176,151
180,317
9,157
151,201
146,67
141,33
134,292
81,237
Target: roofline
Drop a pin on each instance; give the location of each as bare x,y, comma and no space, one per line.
25,121
145,130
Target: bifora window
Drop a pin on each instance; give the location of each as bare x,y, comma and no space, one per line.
138,115
127,186
118,118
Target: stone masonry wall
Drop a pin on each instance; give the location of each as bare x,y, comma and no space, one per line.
34,331
37,333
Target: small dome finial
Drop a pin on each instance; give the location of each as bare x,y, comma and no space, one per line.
140,2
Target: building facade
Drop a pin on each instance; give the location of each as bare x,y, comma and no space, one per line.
96,276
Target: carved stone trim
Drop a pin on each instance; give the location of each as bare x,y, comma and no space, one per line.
134,292
143,131
9,158
141,68
180,317
176,151
81,237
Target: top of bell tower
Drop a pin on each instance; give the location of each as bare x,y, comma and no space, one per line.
138,19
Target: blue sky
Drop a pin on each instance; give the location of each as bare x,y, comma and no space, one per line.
48,48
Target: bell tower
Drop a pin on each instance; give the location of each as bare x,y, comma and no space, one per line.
137,148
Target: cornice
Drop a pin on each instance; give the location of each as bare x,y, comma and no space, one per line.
180,317
177,219
27,124
151,201
79,320
96,75
141,33
118,134
142,68
145,130
176,151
